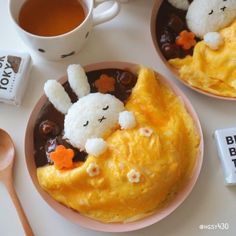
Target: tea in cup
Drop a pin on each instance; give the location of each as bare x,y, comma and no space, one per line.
51,18
57,29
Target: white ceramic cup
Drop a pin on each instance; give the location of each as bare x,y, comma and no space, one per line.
65,45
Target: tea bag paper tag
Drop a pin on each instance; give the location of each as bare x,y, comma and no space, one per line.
226,146
14,73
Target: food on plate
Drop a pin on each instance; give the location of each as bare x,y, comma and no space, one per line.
202,51
211,70
130,154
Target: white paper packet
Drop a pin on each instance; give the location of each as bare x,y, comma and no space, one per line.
226,146
14,73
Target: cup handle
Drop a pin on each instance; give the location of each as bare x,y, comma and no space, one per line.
108,14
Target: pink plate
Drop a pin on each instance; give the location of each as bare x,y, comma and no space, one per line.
112,227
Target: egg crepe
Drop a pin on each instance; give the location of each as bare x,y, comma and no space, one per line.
165,160
213,71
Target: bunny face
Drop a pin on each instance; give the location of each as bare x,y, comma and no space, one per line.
210,16
91,117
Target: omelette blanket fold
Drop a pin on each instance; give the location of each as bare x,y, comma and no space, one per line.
143,167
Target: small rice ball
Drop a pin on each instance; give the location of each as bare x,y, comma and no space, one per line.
127,120
180,4
213,40
95,146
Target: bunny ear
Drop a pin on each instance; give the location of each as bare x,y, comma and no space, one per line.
57,96
180,4
78,80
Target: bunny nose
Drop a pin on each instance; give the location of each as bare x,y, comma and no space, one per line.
101,119
223,8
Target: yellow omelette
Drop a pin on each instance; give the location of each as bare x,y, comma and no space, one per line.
164,159
213,71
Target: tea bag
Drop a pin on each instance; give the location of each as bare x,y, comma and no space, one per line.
226,145
14,74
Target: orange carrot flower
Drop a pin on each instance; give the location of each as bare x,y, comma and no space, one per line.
62,157
186,39
105,84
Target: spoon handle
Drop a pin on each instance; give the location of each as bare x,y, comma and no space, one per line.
24,221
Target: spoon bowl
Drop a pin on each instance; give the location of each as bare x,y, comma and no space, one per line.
7,151
7,156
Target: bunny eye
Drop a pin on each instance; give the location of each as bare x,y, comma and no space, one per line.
86,124
211,12
105,108
223,8
41,50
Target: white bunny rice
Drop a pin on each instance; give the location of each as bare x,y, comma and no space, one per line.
180,4
92,116
95,146
127,120
210,16
213,40
57,95
78,80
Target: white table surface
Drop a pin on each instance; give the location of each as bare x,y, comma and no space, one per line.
126,38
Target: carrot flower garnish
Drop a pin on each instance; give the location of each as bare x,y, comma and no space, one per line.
62,157
105,84
186,39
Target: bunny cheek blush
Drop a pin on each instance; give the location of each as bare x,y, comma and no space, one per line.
135,145
199,43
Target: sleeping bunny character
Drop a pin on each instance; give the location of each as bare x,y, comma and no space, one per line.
206,17
92,116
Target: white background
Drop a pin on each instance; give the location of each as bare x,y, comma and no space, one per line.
126,38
